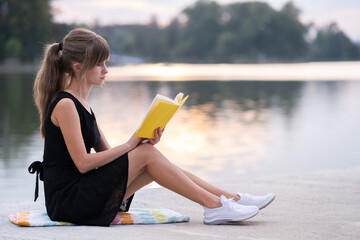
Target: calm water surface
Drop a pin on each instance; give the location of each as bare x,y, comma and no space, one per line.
226,130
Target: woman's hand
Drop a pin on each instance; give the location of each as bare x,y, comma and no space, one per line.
158,134
133,142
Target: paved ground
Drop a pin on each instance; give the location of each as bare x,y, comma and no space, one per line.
322,205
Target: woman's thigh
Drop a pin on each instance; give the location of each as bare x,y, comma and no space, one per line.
139,157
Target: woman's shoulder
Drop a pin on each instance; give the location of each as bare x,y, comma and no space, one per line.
65,103
64,111
62,99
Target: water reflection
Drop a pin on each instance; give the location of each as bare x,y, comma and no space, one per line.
18,116
226,130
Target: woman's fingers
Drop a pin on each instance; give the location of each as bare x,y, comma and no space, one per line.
160,132
157,136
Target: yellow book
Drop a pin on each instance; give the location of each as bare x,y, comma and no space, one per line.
161,110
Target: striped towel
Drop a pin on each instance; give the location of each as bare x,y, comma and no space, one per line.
39,218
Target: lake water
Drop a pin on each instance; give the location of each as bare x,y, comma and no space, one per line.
227,130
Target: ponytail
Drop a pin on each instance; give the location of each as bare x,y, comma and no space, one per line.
49,81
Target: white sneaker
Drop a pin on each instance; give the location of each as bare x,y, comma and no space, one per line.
259,201
229,212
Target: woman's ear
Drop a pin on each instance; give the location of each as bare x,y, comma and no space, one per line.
76,67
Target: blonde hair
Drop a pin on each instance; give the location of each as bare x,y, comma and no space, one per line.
79,46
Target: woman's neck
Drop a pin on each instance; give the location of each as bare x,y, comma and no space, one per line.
79,89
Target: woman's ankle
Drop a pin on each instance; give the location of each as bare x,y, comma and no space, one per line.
215,203
236,197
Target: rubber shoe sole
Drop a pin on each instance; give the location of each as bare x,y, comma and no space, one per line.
225,220
254,200
267,203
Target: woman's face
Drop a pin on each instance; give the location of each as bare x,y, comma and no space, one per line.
96,76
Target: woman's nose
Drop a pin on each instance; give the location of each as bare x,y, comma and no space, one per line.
105,70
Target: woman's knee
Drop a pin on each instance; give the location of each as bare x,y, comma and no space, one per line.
144,151
147,149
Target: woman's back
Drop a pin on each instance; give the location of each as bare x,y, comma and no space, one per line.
70,195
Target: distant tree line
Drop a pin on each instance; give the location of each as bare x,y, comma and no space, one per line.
24,25
205,32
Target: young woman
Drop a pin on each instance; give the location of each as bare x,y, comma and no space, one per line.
90,188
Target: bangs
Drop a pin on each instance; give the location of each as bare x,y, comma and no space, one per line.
98,53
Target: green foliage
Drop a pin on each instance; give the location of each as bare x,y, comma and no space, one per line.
13,47
172,34
204,32
200,34
286,34
149,41
332,44
237,32
248,24
58,31
28,21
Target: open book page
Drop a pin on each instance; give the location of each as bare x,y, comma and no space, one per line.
161,110
176,100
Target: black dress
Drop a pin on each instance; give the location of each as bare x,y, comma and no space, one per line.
92,198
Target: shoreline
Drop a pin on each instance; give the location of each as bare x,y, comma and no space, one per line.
309,71
16,67
306,71
320,205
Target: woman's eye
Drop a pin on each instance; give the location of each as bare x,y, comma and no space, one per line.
101,64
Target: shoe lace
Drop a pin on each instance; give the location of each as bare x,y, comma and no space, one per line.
231,203
245,197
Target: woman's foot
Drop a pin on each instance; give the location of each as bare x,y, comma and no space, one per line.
258,201
230,211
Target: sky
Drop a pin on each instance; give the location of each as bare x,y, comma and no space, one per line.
346,13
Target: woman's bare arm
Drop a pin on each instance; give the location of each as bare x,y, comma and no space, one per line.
66,117
103,143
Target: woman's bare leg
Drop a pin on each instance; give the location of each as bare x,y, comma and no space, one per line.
146,158
210,188
142,180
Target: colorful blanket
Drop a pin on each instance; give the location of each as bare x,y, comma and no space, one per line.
39,218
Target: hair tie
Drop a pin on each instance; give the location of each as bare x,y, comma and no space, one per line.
60,46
